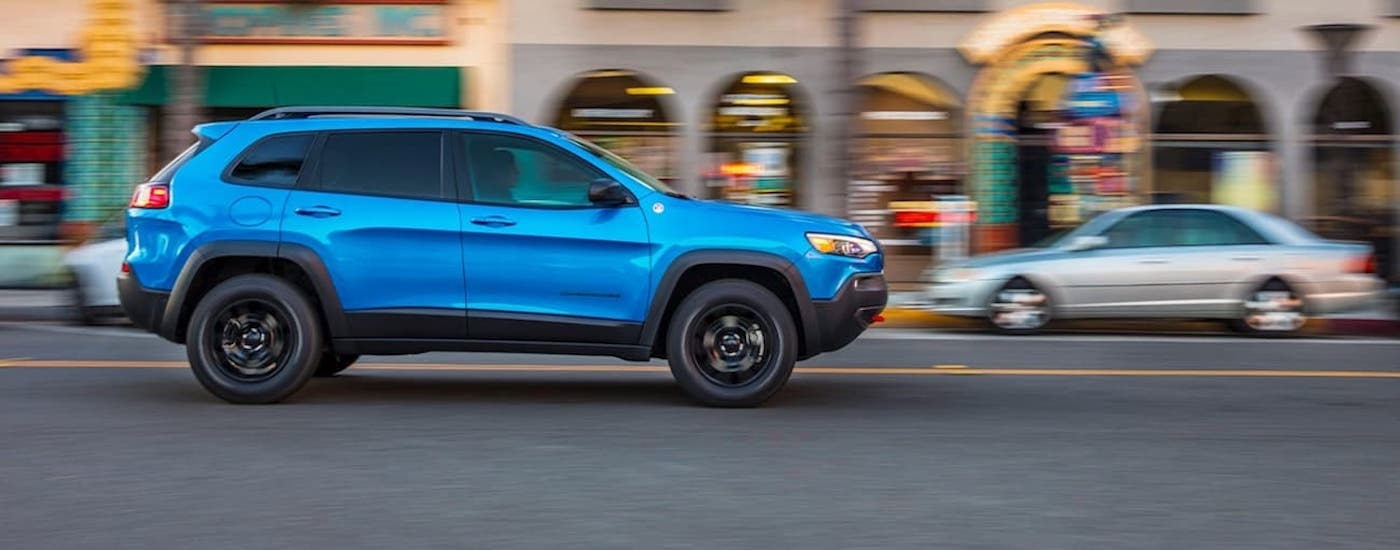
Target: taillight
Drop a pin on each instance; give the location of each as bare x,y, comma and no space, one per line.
151,196
126,267
1365,265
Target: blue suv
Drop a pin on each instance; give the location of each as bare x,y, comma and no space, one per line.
287,245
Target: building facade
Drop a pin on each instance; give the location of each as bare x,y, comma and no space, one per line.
1043,113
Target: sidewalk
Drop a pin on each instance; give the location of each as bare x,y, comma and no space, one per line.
904,311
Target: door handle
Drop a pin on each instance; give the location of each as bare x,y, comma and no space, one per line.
494,221
1152,261
317,211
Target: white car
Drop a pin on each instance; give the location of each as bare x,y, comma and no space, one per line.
94,266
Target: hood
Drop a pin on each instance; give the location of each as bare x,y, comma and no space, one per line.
819,222
1014,256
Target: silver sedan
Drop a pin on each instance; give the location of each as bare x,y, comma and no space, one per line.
1262,273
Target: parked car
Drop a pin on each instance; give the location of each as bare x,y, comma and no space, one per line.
92,267
289,244
1260,272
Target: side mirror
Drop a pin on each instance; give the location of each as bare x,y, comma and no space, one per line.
1087,242
607,192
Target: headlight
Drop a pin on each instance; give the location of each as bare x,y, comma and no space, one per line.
841,245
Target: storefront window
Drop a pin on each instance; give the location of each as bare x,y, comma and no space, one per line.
1211,145
1353,146
626,113
756,130
908,151
31,169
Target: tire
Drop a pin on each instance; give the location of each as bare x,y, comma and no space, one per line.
274,334
332,363
731,343
1287,321
1019,308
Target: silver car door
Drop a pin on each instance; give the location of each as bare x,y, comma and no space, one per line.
1136,271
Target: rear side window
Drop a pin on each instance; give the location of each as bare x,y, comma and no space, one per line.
273,162
395,164
166,173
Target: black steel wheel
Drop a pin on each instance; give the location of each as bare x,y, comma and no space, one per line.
254,339
732,343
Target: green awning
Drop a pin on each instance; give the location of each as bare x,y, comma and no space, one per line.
273,86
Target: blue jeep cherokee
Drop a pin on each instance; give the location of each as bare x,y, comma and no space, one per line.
287,245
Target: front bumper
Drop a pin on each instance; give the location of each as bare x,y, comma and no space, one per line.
844,318
960,299
145,308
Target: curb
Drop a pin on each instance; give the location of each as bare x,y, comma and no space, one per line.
909,318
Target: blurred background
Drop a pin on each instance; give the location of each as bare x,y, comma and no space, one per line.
1040,114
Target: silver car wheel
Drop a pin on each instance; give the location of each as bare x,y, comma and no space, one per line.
1020,309
1274,310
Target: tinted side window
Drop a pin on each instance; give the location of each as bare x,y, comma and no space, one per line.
1145,229
395,164
274,161
519,171
1206,228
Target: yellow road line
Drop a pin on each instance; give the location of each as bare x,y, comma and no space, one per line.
944,370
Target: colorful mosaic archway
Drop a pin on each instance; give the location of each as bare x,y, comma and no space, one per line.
1097,144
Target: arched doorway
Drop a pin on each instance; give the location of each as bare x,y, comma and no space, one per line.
1055,120
1353,148
909,150
1212,145
626,113
757,129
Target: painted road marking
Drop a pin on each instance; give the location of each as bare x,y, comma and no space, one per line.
955,370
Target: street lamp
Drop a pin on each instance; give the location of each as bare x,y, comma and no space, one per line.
1336,40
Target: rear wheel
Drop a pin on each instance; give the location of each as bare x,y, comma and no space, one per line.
254,339
732,343
332,363
1273,309
1019,308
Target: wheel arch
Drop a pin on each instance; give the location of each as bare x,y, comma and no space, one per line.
692,269
215,262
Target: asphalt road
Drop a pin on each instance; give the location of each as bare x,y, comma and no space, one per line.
901,441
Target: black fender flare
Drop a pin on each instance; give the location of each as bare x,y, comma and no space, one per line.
807,314
303,257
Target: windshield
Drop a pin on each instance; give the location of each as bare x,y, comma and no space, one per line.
622,164
1060,237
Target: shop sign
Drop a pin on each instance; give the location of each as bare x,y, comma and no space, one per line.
423,22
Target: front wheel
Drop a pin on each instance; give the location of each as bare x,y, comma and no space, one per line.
732,343
254,339
1019,308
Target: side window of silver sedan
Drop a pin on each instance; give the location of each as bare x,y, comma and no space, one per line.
1211,228
1152,228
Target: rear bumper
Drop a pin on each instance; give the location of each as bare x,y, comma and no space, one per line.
844,318
145,308
1348,295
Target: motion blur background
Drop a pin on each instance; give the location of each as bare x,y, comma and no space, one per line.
866,109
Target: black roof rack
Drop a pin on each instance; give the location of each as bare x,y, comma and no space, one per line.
286,113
